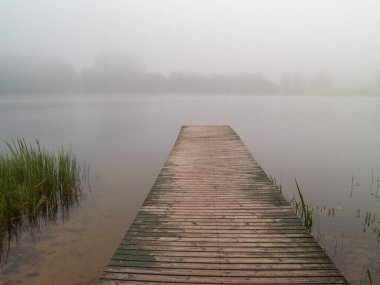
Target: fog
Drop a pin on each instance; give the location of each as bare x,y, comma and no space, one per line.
263,46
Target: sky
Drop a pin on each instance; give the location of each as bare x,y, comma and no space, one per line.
208,36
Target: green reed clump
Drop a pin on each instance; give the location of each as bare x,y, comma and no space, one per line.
303,210
35,183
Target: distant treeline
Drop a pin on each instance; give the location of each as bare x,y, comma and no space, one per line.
118,72
21,73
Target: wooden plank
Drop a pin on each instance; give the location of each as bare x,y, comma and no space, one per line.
214,217
273,249
224,266
221,245
225,273
197,279
218,253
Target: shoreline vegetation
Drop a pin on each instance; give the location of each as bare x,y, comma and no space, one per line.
35,186
120,72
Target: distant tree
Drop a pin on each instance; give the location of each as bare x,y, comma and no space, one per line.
186,82
220,83
114,71
293,83
30,73
154,82
321,81
253,83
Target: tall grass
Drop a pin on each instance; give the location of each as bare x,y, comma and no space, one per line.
34,185
304,211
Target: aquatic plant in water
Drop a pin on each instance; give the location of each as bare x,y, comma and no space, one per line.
304,211
35,185
369,220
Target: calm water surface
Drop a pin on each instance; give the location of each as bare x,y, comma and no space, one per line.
330,144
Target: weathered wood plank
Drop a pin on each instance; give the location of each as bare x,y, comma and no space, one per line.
217,254
226,273
214,217
263,244
274,249
224,266
196,279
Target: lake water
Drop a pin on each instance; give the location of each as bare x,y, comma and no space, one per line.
330,144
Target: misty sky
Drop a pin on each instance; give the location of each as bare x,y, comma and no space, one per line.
206,36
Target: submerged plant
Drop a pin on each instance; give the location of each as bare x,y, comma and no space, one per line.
34,185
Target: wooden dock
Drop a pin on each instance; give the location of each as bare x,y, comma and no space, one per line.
214,217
